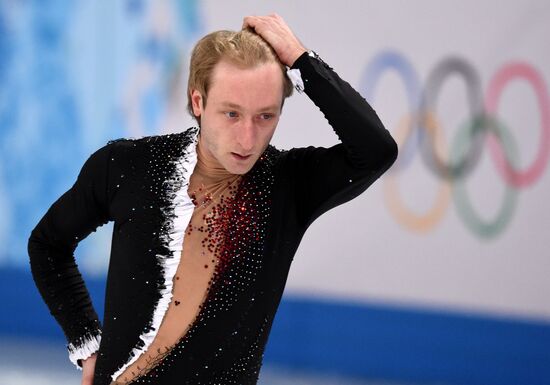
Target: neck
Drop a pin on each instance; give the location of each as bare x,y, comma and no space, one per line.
208,168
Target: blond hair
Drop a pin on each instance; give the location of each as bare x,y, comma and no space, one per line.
244,48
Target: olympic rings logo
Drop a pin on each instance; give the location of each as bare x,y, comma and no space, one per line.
421,130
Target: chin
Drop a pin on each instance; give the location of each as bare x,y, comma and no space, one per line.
240,170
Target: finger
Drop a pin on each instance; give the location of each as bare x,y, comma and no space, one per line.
249,21
258,23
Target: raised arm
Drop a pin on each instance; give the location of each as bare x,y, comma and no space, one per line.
327,177
77,213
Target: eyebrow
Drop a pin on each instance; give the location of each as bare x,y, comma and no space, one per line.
237,107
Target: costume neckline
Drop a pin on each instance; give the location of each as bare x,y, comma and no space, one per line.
209,170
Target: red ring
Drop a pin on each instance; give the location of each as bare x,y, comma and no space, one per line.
520,178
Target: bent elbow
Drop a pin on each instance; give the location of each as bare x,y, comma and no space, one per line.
40,248
36,246
385,154
392,150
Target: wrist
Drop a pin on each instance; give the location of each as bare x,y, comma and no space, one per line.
294,56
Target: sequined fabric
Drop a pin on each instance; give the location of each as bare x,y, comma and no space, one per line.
212,190
233,236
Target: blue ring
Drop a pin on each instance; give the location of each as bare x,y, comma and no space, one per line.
387,60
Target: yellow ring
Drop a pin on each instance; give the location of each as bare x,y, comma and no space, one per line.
402,214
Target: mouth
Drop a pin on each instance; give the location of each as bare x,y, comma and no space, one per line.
240,157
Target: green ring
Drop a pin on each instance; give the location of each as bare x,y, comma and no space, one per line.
480,227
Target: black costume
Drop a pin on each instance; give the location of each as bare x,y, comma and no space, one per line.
140,184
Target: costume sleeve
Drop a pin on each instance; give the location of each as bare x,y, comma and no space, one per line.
77,213
327,177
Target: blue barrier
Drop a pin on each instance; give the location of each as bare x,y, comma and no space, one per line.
366,341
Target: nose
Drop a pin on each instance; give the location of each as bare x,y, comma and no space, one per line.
246,135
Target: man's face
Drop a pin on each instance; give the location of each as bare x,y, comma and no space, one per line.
241,114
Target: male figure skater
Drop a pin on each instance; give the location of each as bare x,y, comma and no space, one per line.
206,221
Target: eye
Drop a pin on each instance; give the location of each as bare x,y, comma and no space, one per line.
231,114
266,116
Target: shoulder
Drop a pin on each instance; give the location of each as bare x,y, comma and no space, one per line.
123,154
309,153
290,160
272,154
180,138
282,158
165,144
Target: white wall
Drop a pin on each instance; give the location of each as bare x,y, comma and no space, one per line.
361,251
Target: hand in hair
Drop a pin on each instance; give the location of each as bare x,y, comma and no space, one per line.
276,32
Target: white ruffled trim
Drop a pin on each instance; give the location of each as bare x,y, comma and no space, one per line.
88,346
295,77
183,208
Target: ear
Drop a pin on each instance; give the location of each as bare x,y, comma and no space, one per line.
196,102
